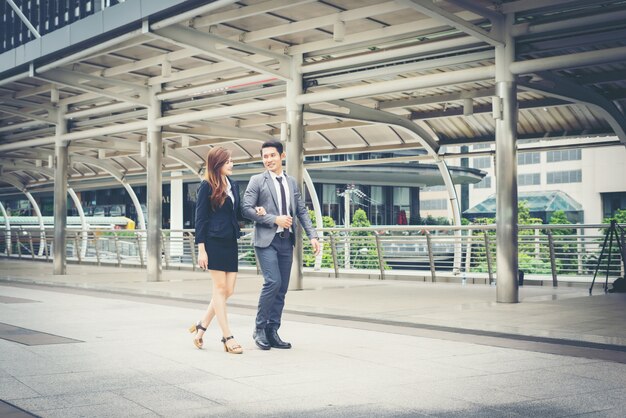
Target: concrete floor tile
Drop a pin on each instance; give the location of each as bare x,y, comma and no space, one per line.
40,403
594,402
12,388
165,400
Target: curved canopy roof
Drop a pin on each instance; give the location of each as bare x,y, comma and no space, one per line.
219,72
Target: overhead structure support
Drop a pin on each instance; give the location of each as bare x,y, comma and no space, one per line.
207,43
76,80
565,89
119,176
427,140
155,193
505,114
317,209
7,230
60,194
83,223
429,8
295,155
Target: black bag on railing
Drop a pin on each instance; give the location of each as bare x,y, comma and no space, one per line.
619,286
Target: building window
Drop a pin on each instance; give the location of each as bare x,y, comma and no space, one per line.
434,204
481,146
528,179
564,155
485,183
482,162
558,177
528,158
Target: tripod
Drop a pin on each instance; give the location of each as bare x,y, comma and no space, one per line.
608,236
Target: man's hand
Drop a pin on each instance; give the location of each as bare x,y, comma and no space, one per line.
203,259
284,221
317,246
260,210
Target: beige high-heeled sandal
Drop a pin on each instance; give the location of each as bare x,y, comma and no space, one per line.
235,349
198,342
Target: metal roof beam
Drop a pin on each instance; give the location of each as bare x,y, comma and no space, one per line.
438,98
321,21
76,80
245,11
207,43
21,113
492,15
374,37
215,130
429,8
563,88
527,5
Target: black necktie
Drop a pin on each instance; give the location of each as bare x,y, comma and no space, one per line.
283,202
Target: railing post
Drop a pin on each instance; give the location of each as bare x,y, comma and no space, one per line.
333,250
431,259
623,254
555,282
579,248
117,249
77,248
379,251
95,244
45,248
30,244
192,245
165,249
7,236
488,256
19,243
138,240
468,252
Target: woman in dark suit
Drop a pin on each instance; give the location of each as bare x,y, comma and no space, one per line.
217,230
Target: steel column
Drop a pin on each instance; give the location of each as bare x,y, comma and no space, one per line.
295,155
505,113
155,192
60,193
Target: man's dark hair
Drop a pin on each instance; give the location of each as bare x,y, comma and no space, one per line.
272,144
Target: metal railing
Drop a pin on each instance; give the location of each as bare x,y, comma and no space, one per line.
547,253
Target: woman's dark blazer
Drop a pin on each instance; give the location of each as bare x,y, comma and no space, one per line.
220,223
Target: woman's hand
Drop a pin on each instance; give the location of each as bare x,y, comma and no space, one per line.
203,259
260,211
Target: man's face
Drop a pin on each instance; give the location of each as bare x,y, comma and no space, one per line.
272,160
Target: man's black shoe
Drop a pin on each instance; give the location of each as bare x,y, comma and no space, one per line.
260,339
274,339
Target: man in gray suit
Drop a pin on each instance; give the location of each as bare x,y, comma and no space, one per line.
273,201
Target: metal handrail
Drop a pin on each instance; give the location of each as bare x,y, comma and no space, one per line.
549,253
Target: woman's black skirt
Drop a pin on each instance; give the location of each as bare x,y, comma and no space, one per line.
223,253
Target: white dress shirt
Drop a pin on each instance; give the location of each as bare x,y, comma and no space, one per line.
229,191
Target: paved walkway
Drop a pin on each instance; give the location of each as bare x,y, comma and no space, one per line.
361,348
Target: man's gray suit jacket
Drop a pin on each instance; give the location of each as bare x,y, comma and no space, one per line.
261,191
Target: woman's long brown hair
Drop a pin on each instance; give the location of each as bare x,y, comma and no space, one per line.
215,160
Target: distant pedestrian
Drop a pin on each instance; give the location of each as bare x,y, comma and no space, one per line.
218,212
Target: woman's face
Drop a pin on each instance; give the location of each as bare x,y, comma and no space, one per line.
227,169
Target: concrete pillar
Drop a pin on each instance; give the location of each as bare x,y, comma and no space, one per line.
61,161
505,112
295,155
154,189
176,214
